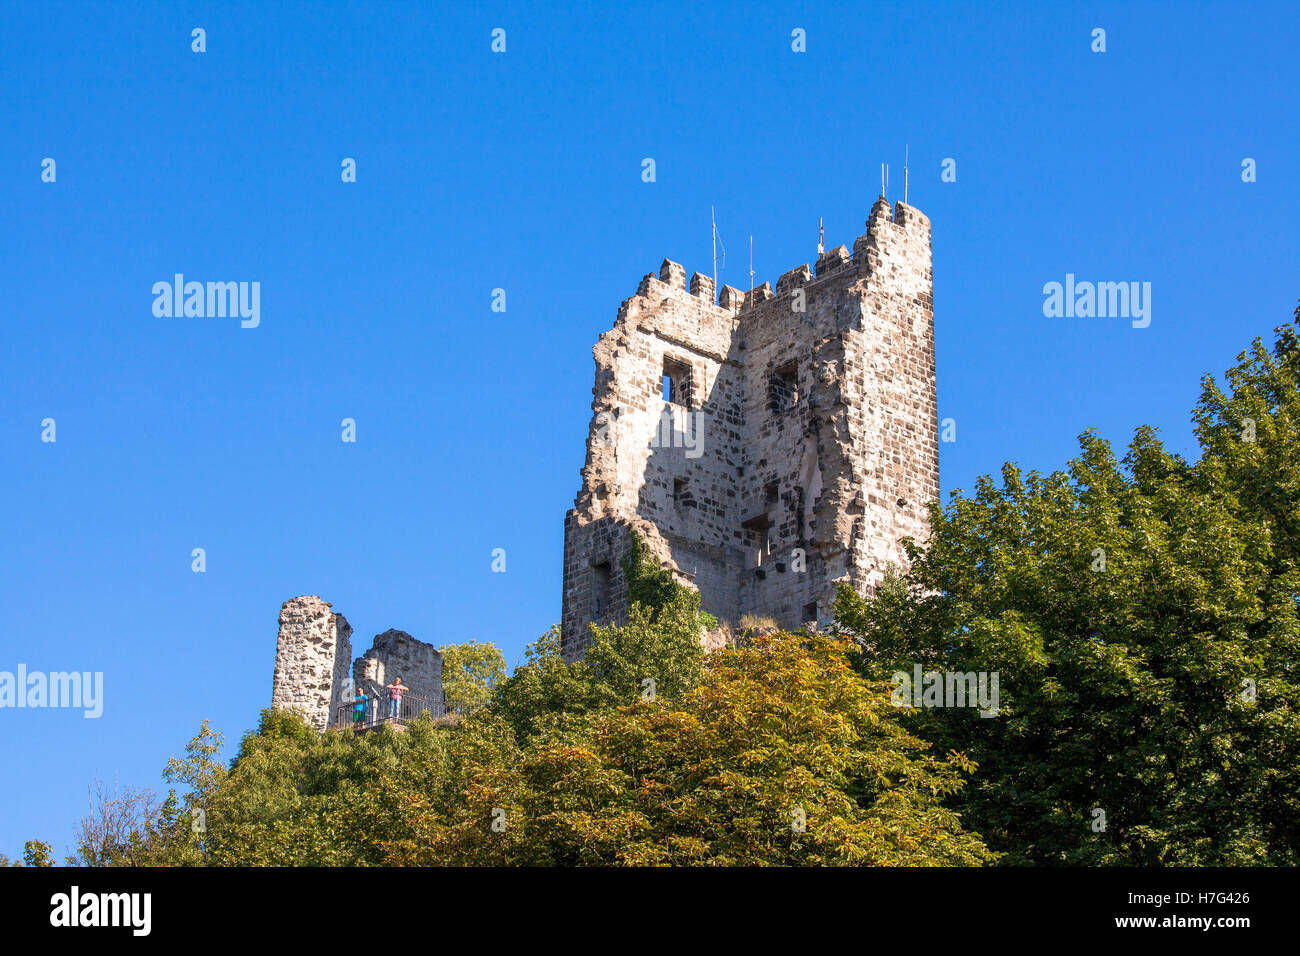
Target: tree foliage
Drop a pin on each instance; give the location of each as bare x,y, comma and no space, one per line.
1142,617
779,754
782,755
37,853
656,652
470,672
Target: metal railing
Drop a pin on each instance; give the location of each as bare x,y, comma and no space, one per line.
377,711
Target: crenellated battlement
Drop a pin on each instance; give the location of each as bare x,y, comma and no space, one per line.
673,274
731,299
791,280
702,287
758,296
885,223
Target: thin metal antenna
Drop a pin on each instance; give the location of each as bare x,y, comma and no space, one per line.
751,265
882,179
886,180
906,150
717,241
821,236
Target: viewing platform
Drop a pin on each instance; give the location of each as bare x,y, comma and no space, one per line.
380,711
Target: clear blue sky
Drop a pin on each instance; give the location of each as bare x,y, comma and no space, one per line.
523,171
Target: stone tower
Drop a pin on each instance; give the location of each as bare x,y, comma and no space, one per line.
768,446
312,658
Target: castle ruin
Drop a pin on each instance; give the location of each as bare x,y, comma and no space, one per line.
765,446
316,675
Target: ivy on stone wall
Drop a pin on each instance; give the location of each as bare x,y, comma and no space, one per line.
651,585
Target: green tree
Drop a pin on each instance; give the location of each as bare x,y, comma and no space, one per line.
181,824
471,672
38,853
1142,618
657,651
544,685
776,753
295,797
652,655
782,755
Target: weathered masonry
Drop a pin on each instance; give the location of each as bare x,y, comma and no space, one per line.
766,446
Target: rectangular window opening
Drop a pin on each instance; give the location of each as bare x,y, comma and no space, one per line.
677,382
600,575
783,390
758,532
681,492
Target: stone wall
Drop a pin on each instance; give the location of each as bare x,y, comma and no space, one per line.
313,655
397,654
808,444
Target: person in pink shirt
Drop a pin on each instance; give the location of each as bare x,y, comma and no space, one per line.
395,692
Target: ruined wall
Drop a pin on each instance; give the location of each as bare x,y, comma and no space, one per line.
814,442
313,655
398,654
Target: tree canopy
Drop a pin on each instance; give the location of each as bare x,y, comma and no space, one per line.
1141,614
